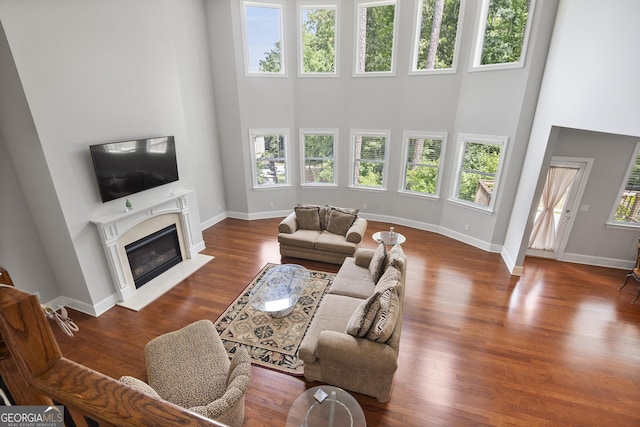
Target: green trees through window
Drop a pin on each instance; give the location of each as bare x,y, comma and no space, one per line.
270,160
376,22
318,39
627,210
369,159
422,164
438,29
504,34
318,157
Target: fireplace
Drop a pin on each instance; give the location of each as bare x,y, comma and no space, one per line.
154,254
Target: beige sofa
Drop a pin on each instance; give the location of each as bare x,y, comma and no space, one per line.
321,233
352,341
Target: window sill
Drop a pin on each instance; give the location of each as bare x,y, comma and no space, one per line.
320,186
271,187
373,189
622,226
416,195
472,206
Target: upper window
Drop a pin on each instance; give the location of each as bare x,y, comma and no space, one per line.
318,156
375,35
369,161
627,208
269,156
503,34
479,165
423,155
318,40
436,36
263,38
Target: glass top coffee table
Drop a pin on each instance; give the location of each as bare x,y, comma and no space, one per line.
278,291
338,409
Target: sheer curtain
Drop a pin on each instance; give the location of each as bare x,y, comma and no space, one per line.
558,181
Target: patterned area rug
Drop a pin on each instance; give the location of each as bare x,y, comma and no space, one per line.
272,343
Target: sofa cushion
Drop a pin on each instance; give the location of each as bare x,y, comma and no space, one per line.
377,264
362,319
386,316
328,241
301,238
308,217
352,211
339,221
352,280
333,315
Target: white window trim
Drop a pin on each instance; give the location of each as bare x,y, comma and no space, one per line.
463,139
274,4
369,132
618,224
416,40
408,134
356,59
315,131
319,5
287,156
479,41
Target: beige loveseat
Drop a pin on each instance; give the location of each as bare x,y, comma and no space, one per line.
354,338
321,233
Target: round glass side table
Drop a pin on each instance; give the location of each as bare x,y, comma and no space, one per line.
338,409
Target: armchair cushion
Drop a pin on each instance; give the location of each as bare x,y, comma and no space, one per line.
139,385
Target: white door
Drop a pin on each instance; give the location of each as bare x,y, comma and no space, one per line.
560,199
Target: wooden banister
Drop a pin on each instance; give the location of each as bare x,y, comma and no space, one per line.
36,373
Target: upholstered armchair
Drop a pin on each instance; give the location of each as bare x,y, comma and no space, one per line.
190,368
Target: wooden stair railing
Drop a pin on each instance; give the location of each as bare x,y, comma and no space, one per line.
36,373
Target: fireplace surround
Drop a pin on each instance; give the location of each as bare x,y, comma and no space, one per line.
127,227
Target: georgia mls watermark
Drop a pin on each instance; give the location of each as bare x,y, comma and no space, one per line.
32,416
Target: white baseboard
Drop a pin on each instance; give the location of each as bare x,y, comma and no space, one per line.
622,264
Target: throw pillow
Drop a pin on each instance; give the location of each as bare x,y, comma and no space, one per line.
389,279
352,211
386,317
308,218
376,265
393,257
322,211
339,222
363,317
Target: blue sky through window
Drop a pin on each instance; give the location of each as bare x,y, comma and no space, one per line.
263,32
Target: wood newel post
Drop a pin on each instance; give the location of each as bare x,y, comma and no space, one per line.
20,390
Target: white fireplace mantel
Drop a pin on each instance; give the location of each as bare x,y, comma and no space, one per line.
113,227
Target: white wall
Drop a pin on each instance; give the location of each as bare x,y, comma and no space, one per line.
95,72
590,83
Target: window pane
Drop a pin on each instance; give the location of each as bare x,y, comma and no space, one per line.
375,38
318,159
372,148
264,42
422,163
479,168
506,23
438,30
369,174
318,40
628,209
270,159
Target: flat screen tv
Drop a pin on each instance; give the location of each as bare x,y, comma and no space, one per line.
127,167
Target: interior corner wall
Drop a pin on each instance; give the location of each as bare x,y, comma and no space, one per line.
96,72
590,83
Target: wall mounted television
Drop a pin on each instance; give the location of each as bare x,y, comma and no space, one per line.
127,167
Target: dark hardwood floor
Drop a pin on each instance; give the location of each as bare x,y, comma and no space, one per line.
558,346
